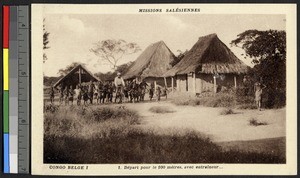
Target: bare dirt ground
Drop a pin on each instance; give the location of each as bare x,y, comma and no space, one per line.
209,121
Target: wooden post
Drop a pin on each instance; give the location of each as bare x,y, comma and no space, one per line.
200,83
172,83
235,85
194,75
79,75
215,84
165,82
186,82
155,86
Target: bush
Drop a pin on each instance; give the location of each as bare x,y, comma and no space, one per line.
86,122
109,113
161,109
255,122
274,99
221,99
227,111
232,98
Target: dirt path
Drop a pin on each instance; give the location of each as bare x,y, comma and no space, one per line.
219,128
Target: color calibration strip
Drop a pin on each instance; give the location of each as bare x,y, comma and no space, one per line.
6,89
13,89
16,89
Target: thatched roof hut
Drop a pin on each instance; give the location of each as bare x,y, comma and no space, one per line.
77,75
209,56
154,61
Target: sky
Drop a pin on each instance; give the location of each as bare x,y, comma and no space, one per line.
73,35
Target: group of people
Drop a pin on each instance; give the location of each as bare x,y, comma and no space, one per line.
98,92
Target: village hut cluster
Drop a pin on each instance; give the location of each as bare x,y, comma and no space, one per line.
209,66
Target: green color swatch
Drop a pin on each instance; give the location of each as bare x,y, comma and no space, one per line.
5,111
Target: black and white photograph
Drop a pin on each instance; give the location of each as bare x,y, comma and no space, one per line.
172,87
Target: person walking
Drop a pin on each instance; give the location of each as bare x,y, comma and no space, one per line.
258,89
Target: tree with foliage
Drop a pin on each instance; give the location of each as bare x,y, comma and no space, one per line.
111,75
66,70
178,58
111,51
45,41
267,50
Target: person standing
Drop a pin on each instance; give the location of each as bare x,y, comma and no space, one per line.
165,92
66,94
91,88
151,91
158,93
143,85
119,84
258,89
71,95
78,94
61,97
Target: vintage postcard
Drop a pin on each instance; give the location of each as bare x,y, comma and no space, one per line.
164,89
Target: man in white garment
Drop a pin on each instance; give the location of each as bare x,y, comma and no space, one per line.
119,84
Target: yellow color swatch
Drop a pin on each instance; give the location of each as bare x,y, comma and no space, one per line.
5,69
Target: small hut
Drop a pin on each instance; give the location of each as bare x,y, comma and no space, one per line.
77,75
150,66
208,66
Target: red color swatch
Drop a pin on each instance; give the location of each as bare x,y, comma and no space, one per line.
5,26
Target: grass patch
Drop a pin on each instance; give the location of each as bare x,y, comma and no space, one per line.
161,109
107,134
87,122
255,122
227,111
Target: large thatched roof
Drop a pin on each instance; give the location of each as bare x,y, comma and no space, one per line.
154,61
209,55
72,78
